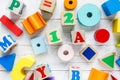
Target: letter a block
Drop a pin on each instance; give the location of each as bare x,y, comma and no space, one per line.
78,37
48,5
39,45
43,71
7,43
16,7
54,37
74,73
33,23
111,7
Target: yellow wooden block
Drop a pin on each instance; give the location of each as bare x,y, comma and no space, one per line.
34,23
98,75
18,72
116,26
70,4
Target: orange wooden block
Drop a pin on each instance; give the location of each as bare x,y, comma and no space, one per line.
98,75
34,23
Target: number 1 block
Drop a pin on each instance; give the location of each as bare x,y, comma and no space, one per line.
54,37
16,7
68,18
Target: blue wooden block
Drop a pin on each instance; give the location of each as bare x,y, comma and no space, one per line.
7,61
39,45
118,62
6,43
111,7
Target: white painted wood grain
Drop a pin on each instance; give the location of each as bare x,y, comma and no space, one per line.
60,69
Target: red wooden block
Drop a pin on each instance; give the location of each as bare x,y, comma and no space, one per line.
11,25
102,35
113,78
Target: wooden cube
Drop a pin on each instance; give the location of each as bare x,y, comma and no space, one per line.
74,73
48,5
54,37
78,37
39,45
88,53
17,7
7,43
68,18
43,71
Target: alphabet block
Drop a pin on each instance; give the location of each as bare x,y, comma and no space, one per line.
11,25
39,45
116,26
88,53
108,60
70,4
74,73
43,71
33,23
54,37
17,7
111,7
7,43
98,75
18,72
48,5
68,18
118,62
7,61
78,37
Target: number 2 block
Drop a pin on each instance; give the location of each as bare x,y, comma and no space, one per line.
68,18
54,37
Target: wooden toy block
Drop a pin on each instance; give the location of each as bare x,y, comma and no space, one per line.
65,53
11,25
89,15
109,60
88,53
48,5
118,62
113,78
78,37
43,71
7,61
18,72
68,18
74,73
7,43
116,26
98,75
102,35
54,37
34,23
39,45
111,7
70,4
17,7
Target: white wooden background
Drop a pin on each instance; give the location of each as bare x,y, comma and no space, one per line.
60,69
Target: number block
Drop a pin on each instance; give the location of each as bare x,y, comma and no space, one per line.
68,18
39,45
78,37
43,71
11,25
54,37
17,7
74,73
33,23
118,62
98,75
48,5
88,53
7,43
70,4
111,7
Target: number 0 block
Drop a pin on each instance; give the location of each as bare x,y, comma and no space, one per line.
54,37
68,18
